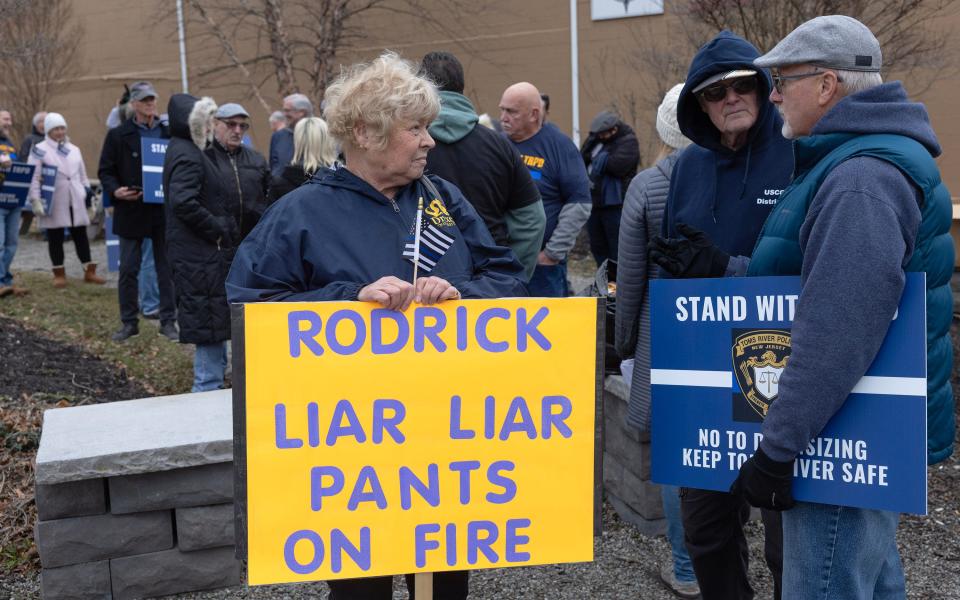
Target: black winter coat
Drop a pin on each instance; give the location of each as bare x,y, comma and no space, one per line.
292,177
202,232
246,179
121,165
624,157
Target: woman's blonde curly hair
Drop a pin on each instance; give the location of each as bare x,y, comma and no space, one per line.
378,94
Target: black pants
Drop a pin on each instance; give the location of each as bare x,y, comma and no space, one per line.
447,585
55,238
128,288
713,533
603,227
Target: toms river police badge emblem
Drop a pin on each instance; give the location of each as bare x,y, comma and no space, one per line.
759,358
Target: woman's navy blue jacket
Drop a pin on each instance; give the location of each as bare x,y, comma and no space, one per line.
336,234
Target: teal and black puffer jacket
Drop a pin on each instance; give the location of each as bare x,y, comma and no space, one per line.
880,123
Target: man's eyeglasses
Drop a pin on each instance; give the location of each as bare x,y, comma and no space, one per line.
718,91
778,79
235,125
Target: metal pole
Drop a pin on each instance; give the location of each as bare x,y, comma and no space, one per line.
575,72
183,48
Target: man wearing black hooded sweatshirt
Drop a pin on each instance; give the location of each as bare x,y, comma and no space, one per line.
722,189
484,165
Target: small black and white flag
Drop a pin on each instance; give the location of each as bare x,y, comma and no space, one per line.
433,245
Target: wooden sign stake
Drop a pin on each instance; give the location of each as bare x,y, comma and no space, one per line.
424,585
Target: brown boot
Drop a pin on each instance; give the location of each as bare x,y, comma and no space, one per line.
90,274
59,277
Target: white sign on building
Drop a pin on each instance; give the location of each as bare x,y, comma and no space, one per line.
619,9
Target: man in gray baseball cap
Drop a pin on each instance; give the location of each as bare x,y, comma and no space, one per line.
866,206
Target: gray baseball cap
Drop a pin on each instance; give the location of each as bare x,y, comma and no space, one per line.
231,109
834,41
142,90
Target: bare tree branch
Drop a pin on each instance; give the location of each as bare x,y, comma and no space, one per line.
40,50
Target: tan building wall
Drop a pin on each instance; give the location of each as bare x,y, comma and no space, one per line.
509,42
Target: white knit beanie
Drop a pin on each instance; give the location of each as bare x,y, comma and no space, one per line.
667,120
52,121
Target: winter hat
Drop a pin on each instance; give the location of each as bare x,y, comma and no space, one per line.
667,120
604,121
832,41
52,121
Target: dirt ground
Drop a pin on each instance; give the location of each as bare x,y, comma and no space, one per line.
38,374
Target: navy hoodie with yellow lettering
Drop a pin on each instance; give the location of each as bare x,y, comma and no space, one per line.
727,193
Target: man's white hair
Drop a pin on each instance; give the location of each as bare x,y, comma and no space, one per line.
277,117
857,81
300,102
38,118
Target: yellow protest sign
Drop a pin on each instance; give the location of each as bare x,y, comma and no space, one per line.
449,437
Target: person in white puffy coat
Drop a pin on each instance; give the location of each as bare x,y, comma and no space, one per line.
71,191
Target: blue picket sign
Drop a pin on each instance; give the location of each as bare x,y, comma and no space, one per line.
719,347
153,151
113,245
16,185
48,179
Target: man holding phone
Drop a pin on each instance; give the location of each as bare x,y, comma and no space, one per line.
121,174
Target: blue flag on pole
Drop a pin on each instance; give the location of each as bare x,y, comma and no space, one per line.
718,349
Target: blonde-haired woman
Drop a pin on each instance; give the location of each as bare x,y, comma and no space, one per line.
313,149
345,235
68,209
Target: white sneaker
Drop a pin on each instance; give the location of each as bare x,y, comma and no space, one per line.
684,589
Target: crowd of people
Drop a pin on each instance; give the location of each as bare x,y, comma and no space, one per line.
800,161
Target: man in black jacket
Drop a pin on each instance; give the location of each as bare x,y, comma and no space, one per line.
121,174
611,154
243,171
484,165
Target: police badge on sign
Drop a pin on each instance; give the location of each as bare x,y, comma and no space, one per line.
759,357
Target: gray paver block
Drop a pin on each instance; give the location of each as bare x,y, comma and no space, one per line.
204,527
634,455
85,539
71,499
641,496
173,572
615,408
644,526
135,436
86,581
195,486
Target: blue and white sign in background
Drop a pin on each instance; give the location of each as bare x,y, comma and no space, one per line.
718,348
113,245
16,185
153,151
48,179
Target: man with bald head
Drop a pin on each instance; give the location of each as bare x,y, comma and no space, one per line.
556,167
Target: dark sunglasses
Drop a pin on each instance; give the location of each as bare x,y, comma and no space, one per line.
718,91
235,124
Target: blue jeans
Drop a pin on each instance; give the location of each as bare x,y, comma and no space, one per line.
836,552
209,365
682,567
149,290
549,281
9,236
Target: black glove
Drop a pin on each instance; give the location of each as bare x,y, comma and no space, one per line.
765,483
693,255
88,198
